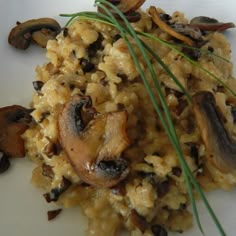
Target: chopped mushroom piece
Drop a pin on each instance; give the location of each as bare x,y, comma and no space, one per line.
220,147
138,220
53,214
94,146
210,24
4,163
38,85
168,29
47,171
14,120
55,193
158,230
188,30
40,30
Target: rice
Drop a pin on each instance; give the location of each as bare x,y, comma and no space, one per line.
154,194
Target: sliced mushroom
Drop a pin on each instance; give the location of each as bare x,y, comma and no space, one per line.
14,120
94,146
129,8
167,28
131,5
220,147
210,24
40,30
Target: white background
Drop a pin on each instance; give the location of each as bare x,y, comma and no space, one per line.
22,207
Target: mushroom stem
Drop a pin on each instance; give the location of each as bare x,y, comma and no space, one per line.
220,147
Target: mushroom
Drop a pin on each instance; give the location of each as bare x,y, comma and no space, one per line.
14,120
133,16
53,214
167,28
94,145
55,193
132,5
188,30
138,220
210,24
220,147
40,30
128,8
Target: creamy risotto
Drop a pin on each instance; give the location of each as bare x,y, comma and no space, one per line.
97,141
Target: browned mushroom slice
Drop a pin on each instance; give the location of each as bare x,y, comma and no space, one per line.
13,123
129,8
210,24
220,147
21,35
132,5
168,29
94,147
133,16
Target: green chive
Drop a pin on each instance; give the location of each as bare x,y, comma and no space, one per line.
166,121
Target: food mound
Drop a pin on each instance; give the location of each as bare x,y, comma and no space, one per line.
97,139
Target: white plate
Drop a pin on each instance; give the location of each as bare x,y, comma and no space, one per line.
22,207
